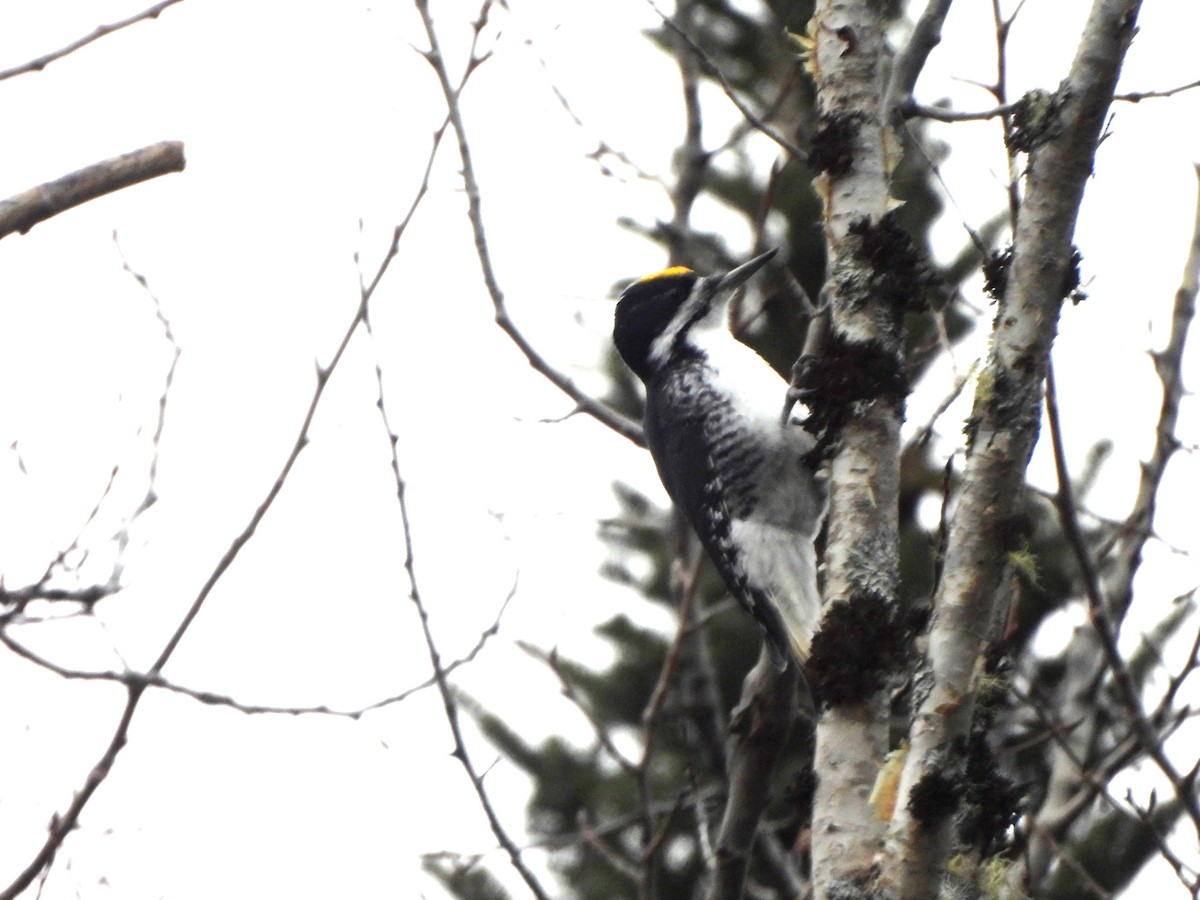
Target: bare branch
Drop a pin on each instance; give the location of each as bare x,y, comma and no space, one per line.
1186,874
599,729
63,823
36,65
907,66
684,587
151,495
22,212
1087,656
1168,366
1003,434
715,72
1139,96
17,599
758,729
614,858
593,407
209,698
1102,621
941,114
603,148
449,703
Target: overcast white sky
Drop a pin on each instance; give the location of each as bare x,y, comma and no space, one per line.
300,120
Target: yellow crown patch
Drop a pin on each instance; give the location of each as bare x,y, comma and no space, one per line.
665,273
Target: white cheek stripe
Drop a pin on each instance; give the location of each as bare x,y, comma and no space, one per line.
660,349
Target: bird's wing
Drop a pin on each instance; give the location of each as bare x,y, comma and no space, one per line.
692,430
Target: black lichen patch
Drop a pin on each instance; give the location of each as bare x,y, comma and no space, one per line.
857,646
1036,120
900,275
970,430
892,279
802,789
997,266
991,800
933,798
995,272
845,373
832,149
1072,278
1009,404
1013,532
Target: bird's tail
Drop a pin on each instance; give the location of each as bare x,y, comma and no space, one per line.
800,615
786,566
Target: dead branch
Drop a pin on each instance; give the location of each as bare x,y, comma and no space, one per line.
22,212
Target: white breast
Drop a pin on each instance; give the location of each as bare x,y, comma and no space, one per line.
755,388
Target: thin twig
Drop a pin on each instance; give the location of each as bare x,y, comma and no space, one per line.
1100,617
450,705
686,584
1139,96
151,495
613,857
36,65
1064,855
1168,366
604,414
603,737
63,823
89,596
603,148
18,598
715,72
209,698
1186,874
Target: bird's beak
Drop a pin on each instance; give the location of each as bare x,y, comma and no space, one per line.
743,272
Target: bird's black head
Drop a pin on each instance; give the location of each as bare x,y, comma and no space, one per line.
644,311
673,300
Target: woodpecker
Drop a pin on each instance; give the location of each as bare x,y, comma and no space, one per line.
714,426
